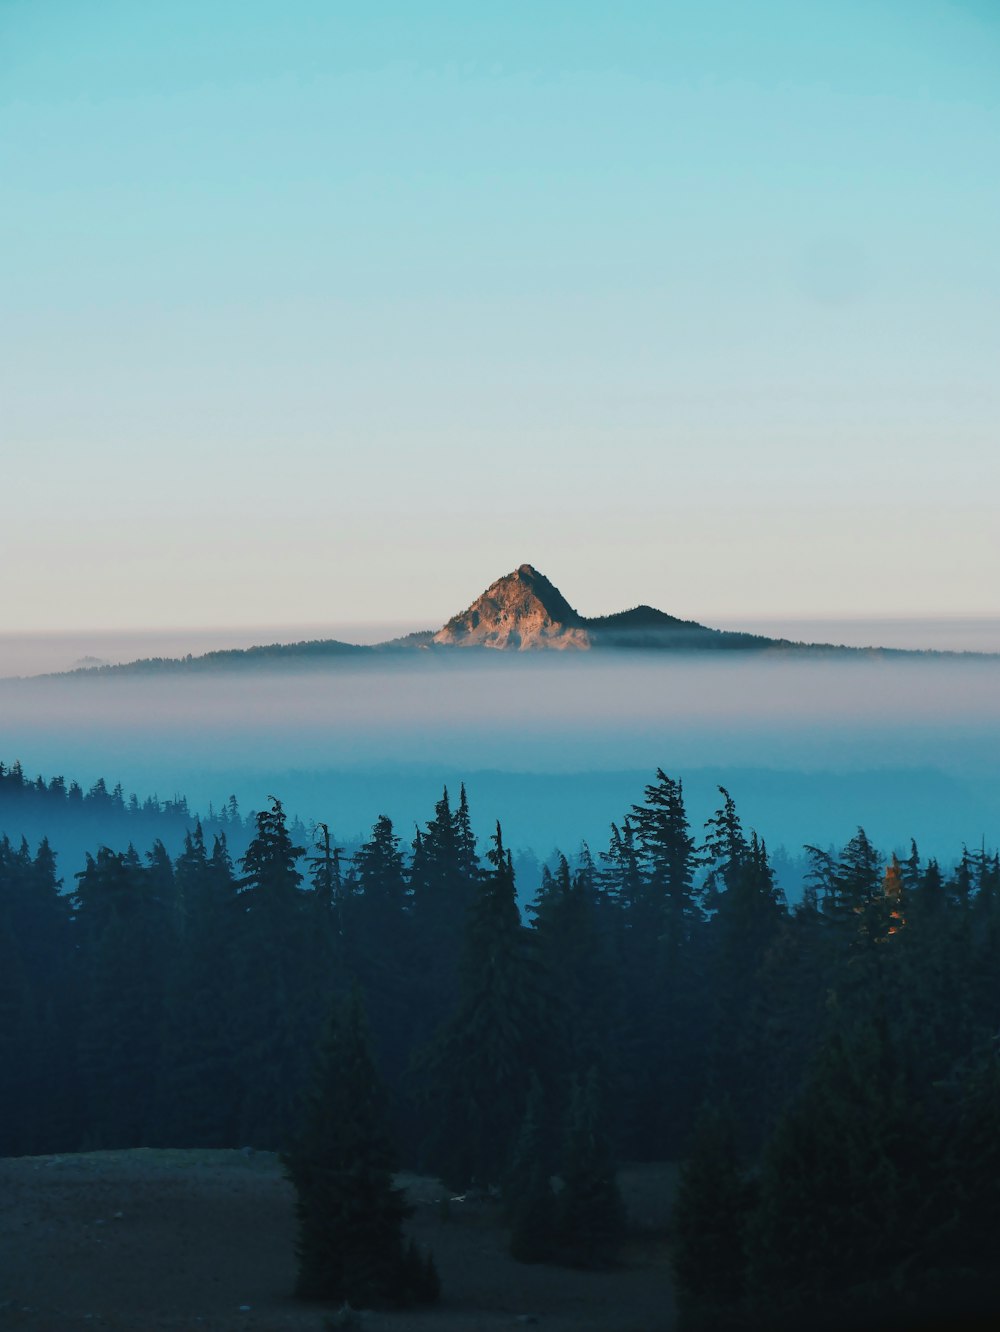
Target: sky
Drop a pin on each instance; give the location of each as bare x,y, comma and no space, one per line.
323,312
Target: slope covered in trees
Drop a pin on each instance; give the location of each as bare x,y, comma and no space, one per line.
840,1056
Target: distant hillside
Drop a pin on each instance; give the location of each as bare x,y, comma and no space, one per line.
316,650
521,612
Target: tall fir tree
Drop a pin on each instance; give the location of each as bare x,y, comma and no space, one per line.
350,1212
477,1070
274,1011
590,1214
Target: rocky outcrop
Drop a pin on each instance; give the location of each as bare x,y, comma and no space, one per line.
523,611
520,611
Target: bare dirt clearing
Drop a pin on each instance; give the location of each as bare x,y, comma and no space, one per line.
159,1241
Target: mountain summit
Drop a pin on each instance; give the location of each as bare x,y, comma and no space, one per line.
521,610
524,610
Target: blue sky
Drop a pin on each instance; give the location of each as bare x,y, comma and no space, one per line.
323,312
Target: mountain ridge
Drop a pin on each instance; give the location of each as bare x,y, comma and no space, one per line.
522,611
525,611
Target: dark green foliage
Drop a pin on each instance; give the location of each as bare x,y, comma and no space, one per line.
667,901
327,879
350,1212
576,954
854,1034
125,916
590,1217
973,1166
444,875
529,1203
710,1223
840,1198
198,1100
478,1069
274,1022
667,1002
270,879
38,1004
379,938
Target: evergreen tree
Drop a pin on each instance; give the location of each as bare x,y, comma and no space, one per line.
590,1213
38,1005
380,939
443,879
327,879
198,1085
477,1070
710,1223
668,1008
529,1203
669,858
126,929
838,1225
273,1007
747,911
579,973
270,880
350,1213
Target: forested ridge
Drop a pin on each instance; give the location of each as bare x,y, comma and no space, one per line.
828,1071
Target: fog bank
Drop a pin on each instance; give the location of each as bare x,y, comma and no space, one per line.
345,741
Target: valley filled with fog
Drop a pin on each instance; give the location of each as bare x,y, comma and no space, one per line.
554,745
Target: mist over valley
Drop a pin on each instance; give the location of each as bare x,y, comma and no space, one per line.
554,745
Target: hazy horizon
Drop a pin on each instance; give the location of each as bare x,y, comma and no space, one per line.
26,654
404,724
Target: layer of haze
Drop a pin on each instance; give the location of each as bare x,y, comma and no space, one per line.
317,313
555,746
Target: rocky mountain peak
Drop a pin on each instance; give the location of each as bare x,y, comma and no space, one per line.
521,610
525,610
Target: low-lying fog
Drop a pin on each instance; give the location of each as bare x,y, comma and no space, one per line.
556,746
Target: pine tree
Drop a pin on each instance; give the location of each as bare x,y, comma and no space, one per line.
477,1070
350,1213
668,1010
710,1223
270,880
590,1214
127,933
198,1086
669,858
443,879
326,877
273,1005
38,1005
529,1203
578,967
838,1224
380,938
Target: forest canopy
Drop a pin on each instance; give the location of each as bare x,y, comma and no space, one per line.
829,1070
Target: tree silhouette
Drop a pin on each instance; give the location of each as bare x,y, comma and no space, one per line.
350,1213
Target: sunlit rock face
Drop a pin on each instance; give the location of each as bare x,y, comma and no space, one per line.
520,611
523,611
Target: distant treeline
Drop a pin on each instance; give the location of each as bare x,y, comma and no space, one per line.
79,820
830,1072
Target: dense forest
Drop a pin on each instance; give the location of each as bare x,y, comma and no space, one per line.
82,819
828,1072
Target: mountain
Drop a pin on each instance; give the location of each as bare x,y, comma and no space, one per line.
522,611
525,611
